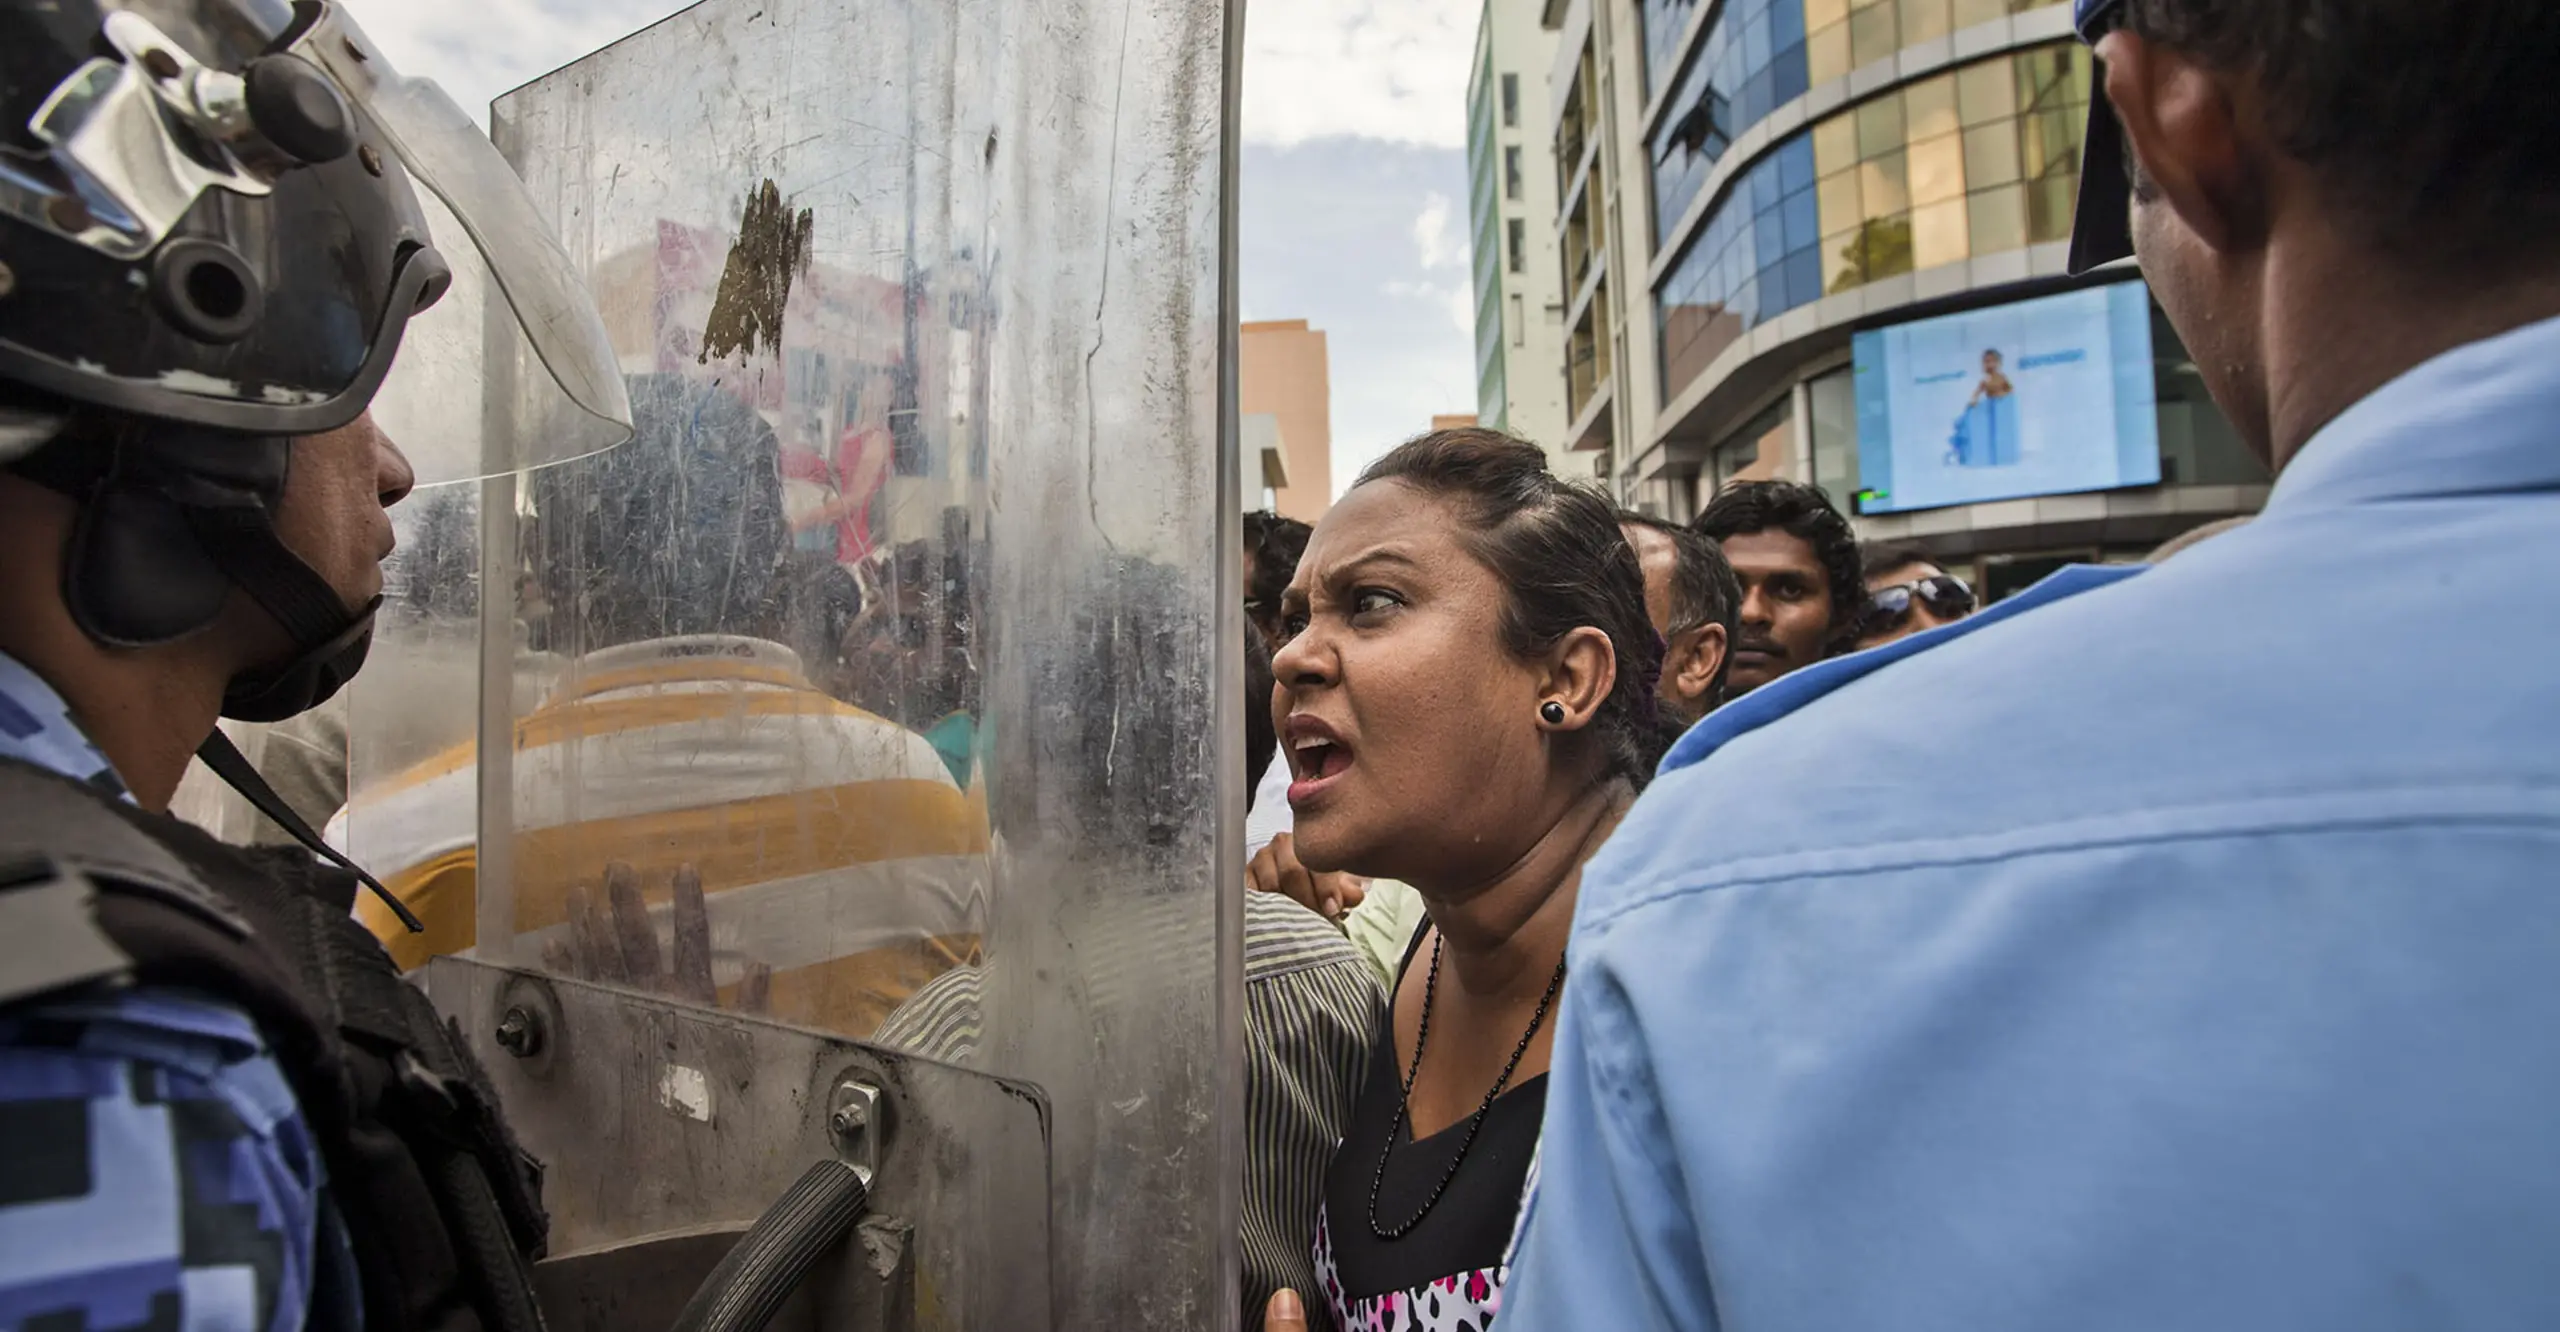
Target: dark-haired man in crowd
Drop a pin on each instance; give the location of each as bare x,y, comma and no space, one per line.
1272,545
1906,593
1802,597
2123,956
1693,598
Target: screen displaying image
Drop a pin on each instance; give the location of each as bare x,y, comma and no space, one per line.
2042,397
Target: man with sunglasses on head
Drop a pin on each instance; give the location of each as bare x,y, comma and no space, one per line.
2132,954
1906,593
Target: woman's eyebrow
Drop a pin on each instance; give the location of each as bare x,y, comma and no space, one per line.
1296,597
1375,555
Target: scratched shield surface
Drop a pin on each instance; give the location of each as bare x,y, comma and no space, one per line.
887,674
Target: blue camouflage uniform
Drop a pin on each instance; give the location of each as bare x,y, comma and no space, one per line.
155,1169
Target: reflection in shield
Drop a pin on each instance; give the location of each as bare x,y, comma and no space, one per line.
873,691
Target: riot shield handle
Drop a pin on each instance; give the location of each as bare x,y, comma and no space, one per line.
749,1286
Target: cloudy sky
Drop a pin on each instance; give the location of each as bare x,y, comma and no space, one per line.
1354,194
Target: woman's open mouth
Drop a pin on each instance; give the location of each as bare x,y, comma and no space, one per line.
1317,757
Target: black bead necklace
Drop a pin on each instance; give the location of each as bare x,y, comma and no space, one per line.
1404,1100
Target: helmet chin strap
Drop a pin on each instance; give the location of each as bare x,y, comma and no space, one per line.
305,682
229,764
171,520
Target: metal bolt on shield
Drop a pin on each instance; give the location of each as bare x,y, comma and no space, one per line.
853,1119
520,1033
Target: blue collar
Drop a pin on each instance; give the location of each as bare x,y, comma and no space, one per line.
2479,419
1792,691
36,727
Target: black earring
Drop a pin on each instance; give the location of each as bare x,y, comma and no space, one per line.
1551,712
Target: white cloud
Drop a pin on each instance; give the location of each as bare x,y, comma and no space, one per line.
1435,234
1372,69
1457,300
1377,69
480,49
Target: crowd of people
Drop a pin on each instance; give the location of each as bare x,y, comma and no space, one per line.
1651,924
1476,667
2141,950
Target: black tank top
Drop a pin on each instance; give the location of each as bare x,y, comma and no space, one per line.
1447,1272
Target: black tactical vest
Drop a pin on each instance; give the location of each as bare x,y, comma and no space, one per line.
444,1208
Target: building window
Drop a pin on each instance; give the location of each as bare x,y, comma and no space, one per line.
1664,21
1756,256
1697,127
1841,35
1763,450
1572,126
1511,172
1757,55
1586,356
1519,235
1833,422
1978,160
1511,101
1578,249
1519,322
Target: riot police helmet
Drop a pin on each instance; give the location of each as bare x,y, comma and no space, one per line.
212,244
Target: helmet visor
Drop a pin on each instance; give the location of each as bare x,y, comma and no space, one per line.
513,369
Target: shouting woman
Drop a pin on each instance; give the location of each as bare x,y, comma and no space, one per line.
1464,697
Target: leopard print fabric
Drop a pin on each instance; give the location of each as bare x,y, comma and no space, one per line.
1462,1302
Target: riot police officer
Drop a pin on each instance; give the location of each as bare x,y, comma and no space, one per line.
218,1106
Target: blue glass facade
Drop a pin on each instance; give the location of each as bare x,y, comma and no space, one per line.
1977,159
1757,258
1664,21
1749,62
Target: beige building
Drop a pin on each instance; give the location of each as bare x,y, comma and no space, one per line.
1282,373
1511,204
1454,421
1264,469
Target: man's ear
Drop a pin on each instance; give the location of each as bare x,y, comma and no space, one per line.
2188,147
1695,659
1581,671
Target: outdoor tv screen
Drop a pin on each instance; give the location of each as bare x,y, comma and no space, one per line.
2044,397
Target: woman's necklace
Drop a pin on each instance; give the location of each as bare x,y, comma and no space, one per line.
1404,1099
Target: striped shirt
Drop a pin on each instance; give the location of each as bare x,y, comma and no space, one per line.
1312,1010
833,845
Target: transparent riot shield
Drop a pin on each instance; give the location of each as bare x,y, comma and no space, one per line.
878,804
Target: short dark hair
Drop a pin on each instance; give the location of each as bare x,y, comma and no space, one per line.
1878,558
1703,587
2430,121
1261,742
1805,513
1276,545
1557,548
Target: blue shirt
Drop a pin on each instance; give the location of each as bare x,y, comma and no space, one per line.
2174,950
155,1168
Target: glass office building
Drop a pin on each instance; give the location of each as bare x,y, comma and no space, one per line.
1816,169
